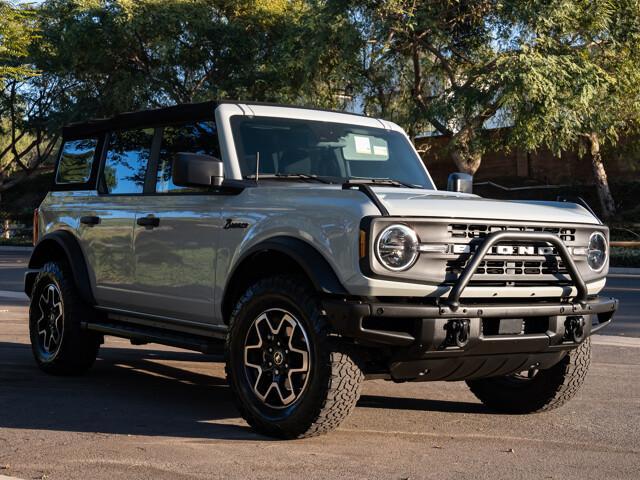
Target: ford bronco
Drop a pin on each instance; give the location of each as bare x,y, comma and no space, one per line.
315,249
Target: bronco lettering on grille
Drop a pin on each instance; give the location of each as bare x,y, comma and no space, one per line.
520,250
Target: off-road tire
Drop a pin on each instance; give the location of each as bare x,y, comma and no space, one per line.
333,387
547,390
78,348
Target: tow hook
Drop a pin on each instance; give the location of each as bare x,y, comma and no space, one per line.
457,332
574,329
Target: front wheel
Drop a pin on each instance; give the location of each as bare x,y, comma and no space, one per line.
289,377
536,390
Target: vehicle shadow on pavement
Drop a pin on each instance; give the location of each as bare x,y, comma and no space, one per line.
128,392
421,404
143,392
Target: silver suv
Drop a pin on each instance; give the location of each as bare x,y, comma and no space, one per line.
315,247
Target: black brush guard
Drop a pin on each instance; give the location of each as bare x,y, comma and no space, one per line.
349,317
496,237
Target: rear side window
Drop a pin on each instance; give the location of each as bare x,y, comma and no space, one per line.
126,161
76,161
198,137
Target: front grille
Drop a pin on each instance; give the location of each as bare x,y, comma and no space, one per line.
464,230
511,267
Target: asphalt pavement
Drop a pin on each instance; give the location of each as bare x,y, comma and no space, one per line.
13,263
156,412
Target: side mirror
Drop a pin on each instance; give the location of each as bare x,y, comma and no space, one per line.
460,182
197,170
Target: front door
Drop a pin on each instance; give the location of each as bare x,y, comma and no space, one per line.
175,254
175,234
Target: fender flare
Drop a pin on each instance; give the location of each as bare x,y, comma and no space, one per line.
322,276
53,246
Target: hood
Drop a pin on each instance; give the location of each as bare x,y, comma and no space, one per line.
406,202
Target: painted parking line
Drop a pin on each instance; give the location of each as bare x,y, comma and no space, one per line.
615,341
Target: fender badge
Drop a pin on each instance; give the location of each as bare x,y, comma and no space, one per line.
231,224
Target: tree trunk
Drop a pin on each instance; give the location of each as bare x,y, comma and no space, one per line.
464,154
602,184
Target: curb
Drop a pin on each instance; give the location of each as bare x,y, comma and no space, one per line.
624,272
13,296
12,248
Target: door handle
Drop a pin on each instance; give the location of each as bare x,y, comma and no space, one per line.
148,222
90,220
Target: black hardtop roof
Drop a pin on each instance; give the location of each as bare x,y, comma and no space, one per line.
160,116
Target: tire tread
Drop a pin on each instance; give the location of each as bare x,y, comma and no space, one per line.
553,389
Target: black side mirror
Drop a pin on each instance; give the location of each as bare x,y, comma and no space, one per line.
460,182
197,170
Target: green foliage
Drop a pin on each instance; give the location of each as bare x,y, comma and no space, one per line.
124,55
101,57
555,70
578,76
16,34
558,70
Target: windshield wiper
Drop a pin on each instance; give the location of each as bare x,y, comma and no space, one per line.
380,181
303,176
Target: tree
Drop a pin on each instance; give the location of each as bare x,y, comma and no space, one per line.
556,71
101,57
22,148
16,33
26,139
125,55
436,65
593,99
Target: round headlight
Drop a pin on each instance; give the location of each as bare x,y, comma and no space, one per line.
397,247
597,251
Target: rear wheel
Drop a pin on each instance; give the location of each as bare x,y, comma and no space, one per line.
58,343
290,378
536,390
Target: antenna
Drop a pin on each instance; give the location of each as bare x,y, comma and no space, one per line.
257,165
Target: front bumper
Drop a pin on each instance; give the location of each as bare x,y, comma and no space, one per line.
351,318
454,340
441,342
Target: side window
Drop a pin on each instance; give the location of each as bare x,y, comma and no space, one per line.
126,161
198,137
76,161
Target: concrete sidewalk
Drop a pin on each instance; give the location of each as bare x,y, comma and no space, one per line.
14,248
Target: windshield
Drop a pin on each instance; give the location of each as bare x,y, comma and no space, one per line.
335,152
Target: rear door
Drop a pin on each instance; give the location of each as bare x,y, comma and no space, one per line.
106,227
175,232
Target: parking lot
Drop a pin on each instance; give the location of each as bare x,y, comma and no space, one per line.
156,412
